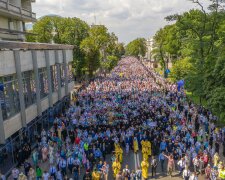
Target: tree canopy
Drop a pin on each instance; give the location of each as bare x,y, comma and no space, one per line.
94,47
136,48
195,43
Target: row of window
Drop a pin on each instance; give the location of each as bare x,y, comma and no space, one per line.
9,94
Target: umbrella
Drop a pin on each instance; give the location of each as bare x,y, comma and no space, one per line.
180,84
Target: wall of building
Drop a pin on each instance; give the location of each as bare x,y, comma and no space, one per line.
26,61
10,37
9,66
26,4
31,113
11,24
4,22
12,125
15,2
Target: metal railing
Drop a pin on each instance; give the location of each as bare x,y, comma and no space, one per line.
3,4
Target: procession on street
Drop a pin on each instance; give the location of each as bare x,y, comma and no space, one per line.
132,112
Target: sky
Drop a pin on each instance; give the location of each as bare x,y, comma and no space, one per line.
128,19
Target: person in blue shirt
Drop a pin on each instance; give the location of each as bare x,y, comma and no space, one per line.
163,145
97,153
99,166
206,144
162,160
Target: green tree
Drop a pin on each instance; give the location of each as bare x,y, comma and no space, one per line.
92,54
94,48
201,42
42,29
110,63
167,44
119,50
181,69
99,39
30,37
136,48
63,31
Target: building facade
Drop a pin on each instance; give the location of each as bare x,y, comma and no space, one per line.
35,83
13,16
149,44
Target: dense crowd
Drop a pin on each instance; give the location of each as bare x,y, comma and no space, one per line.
131,109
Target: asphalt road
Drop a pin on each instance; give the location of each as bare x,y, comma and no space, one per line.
133,161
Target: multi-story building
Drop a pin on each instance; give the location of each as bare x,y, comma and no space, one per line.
35,82
13,16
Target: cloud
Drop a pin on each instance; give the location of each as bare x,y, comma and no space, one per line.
127,18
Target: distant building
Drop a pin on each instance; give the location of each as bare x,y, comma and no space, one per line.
13,16
149,43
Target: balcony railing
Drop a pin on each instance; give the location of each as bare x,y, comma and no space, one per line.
15,9
3,4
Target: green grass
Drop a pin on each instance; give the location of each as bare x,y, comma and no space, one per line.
159,70
196,100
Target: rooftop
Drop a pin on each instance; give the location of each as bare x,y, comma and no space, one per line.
32,46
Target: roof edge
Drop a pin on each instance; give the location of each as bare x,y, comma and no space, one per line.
12,45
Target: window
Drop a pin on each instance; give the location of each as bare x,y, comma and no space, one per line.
54,79
70,69
9,96
43,81
62,75
29,88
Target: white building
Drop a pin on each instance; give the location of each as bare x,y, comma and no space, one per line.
149,43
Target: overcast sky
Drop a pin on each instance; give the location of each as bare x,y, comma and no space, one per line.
129,19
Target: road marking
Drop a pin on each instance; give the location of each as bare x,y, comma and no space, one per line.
138,160
135,161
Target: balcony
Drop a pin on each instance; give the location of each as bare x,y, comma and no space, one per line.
17,12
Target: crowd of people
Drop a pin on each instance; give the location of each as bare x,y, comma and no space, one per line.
131,109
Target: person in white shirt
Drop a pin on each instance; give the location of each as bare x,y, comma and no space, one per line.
186,173
62,166
105,170
45,175
193,176
70,162
59,176
76,161
15,173
2,176
139,173
196,164
53,171
181,165
126,173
